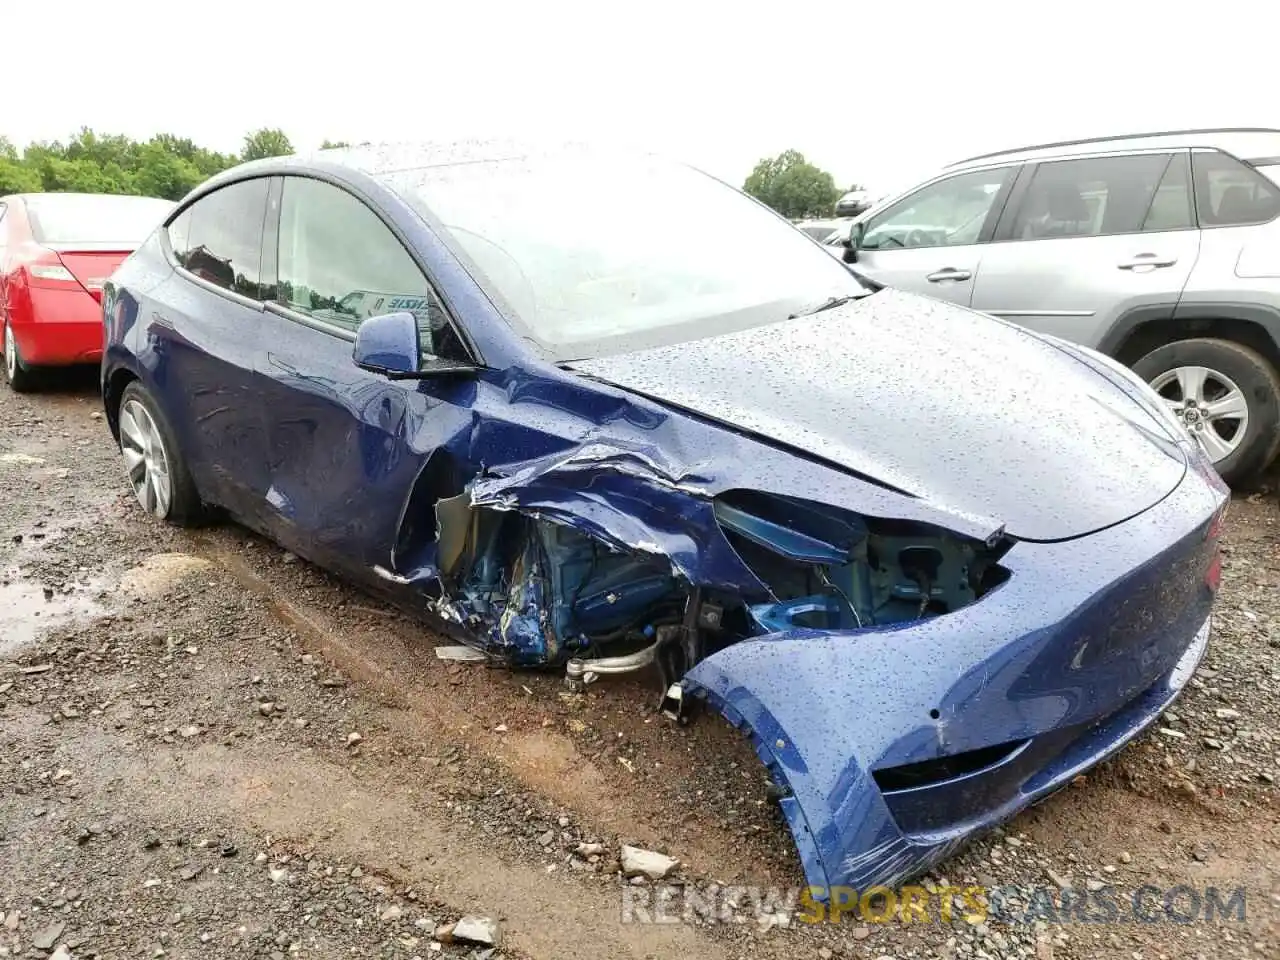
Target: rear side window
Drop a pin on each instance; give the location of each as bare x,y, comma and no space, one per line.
219,238
1089,198
1171,206
339,263
1230,193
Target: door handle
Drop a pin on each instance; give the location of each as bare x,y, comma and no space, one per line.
1151,260
948,273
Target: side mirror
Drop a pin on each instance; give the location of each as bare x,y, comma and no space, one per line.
388,344
853,241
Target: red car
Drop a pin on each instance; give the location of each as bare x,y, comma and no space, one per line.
56,251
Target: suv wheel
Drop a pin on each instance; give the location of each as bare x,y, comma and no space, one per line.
1226,395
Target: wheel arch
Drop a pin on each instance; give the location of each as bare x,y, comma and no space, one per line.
114,382
1142,329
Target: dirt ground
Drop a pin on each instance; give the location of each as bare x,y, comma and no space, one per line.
209,748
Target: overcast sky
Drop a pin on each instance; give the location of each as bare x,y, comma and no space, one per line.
876,93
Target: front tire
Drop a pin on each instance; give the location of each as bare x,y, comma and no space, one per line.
20,377
1227,396
153,461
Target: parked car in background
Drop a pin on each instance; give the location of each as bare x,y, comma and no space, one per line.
820,230
832,234
56,252
853,203
1159,250
850,518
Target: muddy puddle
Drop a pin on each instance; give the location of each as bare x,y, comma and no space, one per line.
29,610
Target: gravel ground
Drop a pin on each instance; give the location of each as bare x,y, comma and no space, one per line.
209,748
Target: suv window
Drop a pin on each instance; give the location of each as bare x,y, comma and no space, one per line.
945,213
1171,206
340,263
219,237
1229,193
1090,197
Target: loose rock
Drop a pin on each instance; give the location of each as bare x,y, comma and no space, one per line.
471,929
46,938
639,862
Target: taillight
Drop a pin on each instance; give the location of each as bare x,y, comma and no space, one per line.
1217,523
1213,576
48,270
51,271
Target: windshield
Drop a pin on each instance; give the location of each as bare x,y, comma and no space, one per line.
90,218
531,226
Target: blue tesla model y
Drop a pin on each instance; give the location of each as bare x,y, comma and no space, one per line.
933,564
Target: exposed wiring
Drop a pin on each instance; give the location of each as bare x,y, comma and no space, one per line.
822,575
926,594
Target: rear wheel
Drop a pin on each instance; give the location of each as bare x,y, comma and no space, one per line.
1226,395
16,373
153,463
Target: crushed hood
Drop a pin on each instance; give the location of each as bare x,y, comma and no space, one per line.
970,414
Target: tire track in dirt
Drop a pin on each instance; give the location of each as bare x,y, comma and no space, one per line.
545,760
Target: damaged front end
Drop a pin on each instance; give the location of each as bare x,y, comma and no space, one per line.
619,568
605,562
901,686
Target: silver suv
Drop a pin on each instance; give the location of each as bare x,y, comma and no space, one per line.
1161,250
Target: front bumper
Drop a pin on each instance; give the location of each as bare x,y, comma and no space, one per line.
894,745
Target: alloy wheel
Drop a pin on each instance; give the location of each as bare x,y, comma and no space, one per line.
1210,405
10,354
145,458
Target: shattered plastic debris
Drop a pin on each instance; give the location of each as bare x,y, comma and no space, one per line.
460,653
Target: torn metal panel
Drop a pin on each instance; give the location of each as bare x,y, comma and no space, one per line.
893,744
624,504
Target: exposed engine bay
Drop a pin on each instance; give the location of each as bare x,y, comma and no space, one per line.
534,591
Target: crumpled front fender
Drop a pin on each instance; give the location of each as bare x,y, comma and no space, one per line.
814,735
822,732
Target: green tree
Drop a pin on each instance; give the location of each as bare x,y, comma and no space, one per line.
267,142
17,177
165,166
333,144
165,173
114,152
81,176
208,162
792,186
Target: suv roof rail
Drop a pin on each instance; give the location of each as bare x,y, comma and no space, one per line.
1109,139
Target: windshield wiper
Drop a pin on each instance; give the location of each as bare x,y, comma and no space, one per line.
827,305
